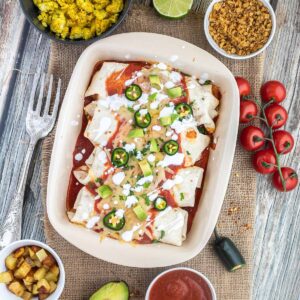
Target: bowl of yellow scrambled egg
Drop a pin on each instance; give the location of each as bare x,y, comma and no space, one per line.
75,21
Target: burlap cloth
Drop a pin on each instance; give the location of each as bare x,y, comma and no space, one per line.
85,274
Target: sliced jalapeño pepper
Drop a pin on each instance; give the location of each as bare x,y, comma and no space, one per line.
170,147
133,92
183,110
119,157
142,120
113,222
160,204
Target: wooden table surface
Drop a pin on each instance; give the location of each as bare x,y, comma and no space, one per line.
276,274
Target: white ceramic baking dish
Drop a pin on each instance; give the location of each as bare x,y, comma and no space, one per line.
189,59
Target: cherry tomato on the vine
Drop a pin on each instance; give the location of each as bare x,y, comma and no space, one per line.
243,85
252,138
283,140
290,179
276,115
273,91
264,161
248,110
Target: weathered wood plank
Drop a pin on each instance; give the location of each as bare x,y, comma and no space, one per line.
277,238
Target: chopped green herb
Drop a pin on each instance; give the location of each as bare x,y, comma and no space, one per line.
207,82
202,130
146,185
188,152
130,109
162,234
152,97
181,196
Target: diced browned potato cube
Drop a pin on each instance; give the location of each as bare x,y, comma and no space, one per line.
32,254
6,277
27,296
16,288
19,252
29,279
35,248
43,286
20,261
37,263
55,270
43,296
51,277
49,261
53,286
41,254
11,262
23,270
34,289
40,274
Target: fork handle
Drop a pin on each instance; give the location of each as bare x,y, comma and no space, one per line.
11,229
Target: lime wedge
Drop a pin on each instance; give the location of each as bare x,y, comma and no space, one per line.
173,9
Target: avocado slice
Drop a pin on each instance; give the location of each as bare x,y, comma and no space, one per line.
140,213
114,290
145,167
153,145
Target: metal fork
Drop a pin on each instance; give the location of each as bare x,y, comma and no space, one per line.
38,125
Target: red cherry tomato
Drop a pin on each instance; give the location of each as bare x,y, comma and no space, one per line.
252,138
264,161
243,85
248,110
276,115
290,179
283,140
273,90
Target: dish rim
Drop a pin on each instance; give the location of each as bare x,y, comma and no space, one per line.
228,151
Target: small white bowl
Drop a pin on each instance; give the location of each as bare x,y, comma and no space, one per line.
235,56
5,293
213,292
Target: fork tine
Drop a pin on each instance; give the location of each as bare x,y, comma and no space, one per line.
56,102
40,99
33,90
48,101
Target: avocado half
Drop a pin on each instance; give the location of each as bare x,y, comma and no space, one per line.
114,290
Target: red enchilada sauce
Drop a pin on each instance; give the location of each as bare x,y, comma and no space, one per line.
180,285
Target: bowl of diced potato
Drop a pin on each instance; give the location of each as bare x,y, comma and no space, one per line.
30,269
75,22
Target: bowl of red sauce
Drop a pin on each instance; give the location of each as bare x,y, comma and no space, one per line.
181,284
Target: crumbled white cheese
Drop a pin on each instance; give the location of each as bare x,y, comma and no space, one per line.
144,180
167,111
143,111
138,189
203,78
154,105
175,137
169,183
156,128
175,76
169,84
160,97
130,201
78,157
92,222
143,99
151,158
169,160
129,147
139,155
120,213
153,196
126,189
162,66
118,178
169,133
106,206
127,236
136,107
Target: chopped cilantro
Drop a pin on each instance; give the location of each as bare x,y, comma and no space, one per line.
181,196
146,198
207,82
188,152
130,109
152,97
146,185
162,234
202,130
